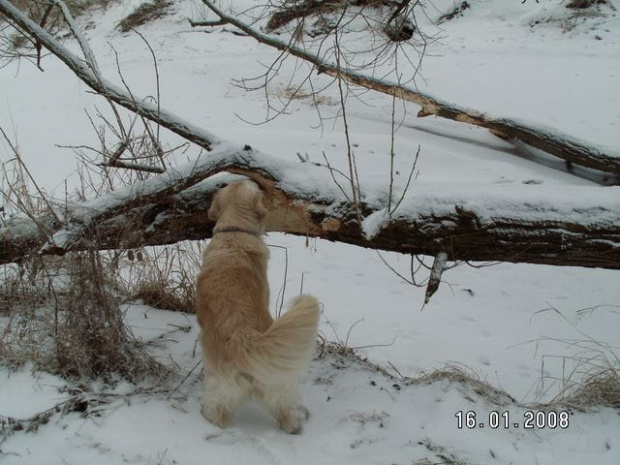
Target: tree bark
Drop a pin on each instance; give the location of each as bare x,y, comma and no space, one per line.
548,140
522,224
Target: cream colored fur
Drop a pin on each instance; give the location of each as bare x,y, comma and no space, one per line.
246,353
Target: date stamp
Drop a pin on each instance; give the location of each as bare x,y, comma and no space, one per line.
504,420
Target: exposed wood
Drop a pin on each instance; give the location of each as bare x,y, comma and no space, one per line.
549,140
434,279
527,224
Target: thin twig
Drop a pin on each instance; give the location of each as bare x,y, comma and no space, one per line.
282,291
183,380
331,172
350,154
154,139
413,166
27,171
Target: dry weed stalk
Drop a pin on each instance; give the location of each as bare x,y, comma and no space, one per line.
589,378
62,314
163,277
92,339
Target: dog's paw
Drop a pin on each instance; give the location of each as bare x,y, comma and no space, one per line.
303,411
292,426
292,420
217,416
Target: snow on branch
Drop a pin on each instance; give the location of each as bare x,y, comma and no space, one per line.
524,224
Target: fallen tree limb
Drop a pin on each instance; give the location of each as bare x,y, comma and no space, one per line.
86,70
304,9
547,139
577,226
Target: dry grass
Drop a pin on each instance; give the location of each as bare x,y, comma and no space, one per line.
63,314
67,321
594,381
160,294
36,8
145,13
49,16
295,93
15,43
600,388
583,4
468,378
162,277
92,339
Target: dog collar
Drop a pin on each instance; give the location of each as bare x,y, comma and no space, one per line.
235,229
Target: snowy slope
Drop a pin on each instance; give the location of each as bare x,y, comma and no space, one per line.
521,328
359,415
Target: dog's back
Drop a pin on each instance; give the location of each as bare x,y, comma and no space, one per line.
233,295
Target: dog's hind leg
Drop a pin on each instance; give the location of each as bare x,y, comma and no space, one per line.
222,396
284,402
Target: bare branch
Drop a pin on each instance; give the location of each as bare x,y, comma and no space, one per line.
132,166
546,139
220,22
142,107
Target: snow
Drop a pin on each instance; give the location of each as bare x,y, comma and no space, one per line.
358,415
529,330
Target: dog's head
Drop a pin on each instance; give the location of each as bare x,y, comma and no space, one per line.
243,198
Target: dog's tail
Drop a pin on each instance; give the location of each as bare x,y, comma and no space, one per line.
286,348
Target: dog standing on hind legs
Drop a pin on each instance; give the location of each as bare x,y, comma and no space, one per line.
246,353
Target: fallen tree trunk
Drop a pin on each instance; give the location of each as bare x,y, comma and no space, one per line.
524,224
548,140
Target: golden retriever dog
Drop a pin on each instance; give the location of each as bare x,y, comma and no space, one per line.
246,353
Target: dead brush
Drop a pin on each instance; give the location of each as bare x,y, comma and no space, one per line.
591,376
24,332
16,291
62,313
46,14
467,378
146,13
593,381
601,388
28,300
63,316
163,277
92,340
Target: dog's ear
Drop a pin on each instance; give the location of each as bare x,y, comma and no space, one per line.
259,206
214,210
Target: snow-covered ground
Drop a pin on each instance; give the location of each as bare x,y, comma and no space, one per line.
523,328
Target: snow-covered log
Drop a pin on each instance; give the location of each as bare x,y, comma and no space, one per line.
546,139
556,225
